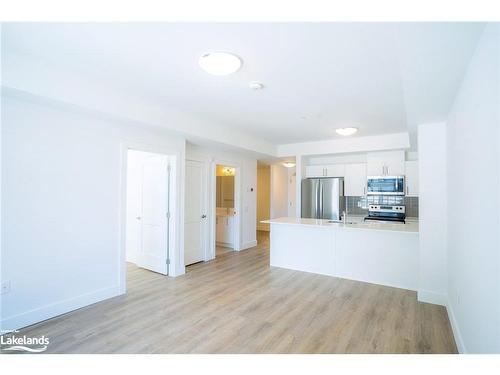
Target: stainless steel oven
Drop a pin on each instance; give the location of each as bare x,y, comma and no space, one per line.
385,185
388,213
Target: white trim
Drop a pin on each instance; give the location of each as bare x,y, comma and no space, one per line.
456,330
248,245
432,297
52,310
122,217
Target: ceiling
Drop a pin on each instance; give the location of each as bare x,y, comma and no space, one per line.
379,77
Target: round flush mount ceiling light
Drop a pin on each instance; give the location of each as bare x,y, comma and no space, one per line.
220,63
289,164
346,131
256,85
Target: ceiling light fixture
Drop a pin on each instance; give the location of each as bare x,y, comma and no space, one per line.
220,63
289,164
346,131
256,85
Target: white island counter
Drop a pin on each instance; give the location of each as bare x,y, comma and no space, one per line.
379,253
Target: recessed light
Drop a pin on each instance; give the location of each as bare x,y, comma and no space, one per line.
220,63
346,131
289,164
256,85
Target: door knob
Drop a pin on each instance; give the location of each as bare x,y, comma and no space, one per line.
203,216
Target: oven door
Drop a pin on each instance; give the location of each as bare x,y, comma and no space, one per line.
385,185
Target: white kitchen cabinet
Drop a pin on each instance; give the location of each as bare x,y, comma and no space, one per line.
333,170
411,178
315,171
391,163
355,180
395,167
375,168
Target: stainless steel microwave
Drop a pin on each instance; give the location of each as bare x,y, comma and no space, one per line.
385,185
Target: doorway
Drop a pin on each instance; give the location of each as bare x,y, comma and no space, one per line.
148,187
225,223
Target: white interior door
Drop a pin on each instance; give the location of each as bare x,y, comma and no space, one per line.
195,214
153,243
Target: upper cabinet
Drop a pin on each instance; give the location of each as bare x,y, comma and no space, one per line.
411,176
315,171
390,163
382,163
333,170
355,180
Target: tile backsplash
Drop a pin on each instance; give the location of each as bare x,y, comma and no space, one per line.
359,205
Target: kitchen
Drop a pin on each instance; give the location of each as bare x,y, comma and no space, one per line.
357,218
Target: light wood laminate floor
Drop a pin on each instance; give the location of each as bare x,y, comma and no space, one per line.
238,304
222,250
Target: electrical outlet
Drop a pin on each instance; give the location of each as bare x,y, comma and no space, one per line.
5,287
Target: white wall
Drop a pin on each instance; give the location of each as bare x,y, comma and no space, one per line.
432,213
263,196
279,191
292,192
61,173
393,141
34,75
473,202
248,194
1,153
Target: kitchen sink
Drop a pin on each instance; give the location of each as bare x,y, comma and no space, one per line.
341,222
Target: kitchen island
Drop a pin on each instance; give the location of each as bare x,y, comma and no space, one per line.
379,253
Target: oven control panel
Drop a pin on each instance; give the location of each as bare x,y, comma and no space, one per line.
386,208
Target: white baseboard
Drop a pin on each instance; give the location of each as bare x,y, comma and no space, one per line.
456,330
58,308
432,297
248,244
224,244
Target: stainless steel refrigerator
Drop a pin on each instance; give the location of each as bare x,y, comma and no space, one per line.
322,198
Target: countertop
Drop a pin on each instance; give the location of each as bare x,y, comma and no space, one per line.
411,225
